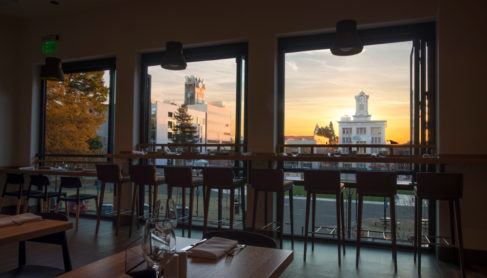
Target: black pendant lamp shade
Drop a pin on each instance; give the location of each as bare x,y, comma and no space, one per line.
52,70
173,58
347,41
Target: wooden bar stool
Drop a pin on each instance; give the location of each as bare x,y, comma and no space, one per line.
441,187
378,184
272,181
110,173
324,182
43,194
74,183
142,175
221,179
13,180
181,177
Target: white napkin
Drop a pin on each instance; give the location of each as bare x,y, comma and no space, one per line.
213,248
18,219
25,217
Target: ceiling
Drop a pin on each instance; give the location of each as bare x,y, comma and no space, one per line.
41,8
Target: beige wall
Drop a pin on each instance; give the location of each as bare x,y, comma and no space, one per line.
8,53
462,70
137,26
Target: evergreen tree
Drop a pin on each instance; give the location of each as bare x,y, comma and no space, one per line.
327,131
185,131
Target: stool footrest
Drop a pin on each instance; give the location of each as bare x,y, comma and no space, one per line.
437,241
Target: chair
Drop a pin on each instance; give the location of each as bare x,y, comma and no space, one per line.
244,237
220,178
74,183
379,184
441,187
43,194
25,270
181,177
272,181
110,173
13,180
142,175
324,182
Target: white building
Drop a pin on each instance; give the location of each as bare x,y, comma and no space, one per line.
361,129
212,120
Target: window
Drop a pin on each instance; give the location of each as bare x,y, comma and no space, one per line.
376,131
76,121
383,94
361,130
78,112
208,94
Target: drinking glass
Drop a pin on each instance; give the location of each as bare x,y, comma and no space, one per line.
159,237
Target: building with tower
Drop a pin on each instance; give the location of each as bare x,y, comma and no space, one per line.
361,129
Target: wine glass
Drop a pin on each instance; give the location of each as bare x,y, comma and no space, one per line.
159,243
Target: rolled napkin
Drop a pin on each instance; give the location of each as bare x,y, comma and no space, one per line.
25,217
213,248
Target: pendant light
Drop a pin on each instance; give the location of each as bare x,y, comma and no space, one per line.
347,41
173,57
52,70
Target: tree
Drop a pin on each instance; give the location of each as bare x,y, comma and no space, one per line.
75,110
185,131
327,131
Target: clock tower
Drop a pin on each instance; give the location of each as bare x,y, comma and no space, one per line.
361,107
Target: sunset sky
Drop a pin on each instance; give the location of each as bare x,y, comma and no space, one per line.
319,87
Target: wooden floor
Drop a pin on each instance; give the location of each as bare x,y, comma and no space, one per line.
85,247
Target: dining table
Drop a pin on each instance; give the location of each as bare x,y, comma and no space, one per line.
30,230
251,261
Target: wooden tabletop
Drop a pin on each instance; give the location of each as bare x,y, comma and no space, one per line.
34,229
250,262
50,171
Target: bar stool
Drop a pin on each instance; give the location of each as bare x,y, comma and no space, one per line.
74,183
181,177
110,173
43,194
13,180
441,187
142,175
219,178
324,182
272,181
379,184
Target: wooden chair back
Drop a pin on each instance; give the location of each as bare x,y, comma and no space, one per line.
178,176
376,183
218,177
322,181
143,174
108,173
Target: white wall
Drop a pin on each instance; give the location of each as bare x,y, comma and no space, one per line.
136,26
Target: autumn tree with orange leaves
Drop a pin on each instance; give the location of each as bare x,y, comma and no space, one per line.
75,110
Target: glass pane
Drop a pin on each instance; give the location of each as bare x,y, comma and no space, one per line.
194,106
360,99
77,114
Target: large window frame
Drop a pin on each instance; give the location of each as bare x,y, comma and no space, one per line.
422,75
73,67
196,54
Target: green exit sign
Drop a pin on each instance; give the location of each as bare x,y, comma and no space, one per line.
49,47
50,44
